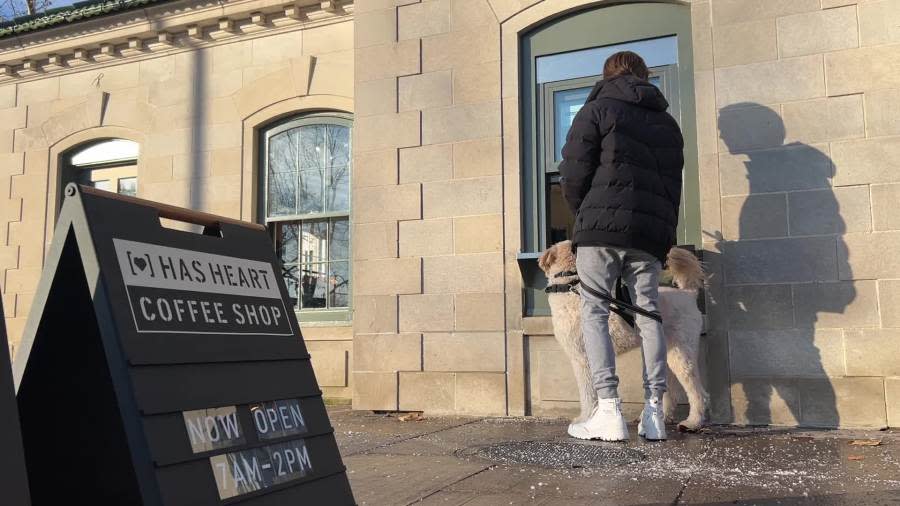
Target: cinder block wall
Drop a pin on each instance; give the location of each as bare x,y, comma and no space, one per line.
192,90
798,106
428,201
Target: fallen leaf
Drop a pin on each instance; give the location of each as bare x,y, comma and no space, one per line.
412,417
866,442
855,457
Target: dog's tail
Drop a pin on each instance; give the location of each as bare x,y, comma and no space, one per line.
685,269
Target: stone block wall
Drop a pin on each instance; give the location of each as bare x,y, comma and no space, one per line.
429,322
796,121
798,164
192,88
796,110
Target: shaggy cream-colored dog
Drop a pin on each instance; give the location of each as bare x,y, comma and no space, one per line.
682,324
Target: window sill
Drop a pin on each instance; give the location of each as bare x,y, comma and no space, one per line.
533,283
339,323
325,318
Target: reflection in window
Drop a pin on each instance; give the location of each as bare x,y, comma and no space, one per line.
127,186
307,207
560,218
566,104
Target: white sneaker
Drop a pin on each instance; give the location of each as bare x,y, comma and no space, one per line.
606,423
652,426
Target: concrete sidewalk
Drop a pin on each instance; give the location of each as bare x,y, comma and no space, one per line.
454,461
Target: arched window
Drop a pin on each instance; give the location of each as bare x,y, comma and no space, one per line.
306,205
109,164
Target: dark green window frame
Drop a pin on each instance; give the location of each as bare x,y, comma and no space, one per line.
275,224
598,27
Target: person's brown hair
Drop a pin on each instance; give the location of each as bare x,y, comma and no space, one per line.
625,62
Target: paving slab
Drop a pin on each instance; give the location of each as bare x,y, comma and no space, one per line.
490,431
363,431
470,461
379,480
543,486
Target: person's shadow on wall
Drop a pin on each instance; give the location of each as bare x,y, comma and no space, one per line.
786,241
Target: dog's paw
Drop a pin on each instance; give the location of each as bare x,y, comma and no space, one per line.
690,425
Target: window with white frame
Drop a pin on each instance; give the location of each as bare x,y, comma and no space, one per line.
306,206
108,164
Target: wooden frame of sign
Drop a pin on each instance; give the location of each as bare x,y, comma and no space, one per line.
13,477
164,367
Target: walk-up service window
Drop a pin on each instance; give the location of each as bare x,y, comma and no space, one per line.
561,62
563,88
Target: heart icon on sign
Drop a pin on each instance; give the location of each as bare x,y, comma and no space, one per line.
140,263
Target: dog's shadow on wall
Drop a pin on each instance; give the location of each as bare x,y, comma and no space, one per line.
781,241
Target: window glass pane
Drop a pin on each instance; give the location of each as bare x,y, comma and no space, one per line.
337,197
313,286
291,274
313,241
286,242
337,145
310,194
339,284
312,147
337,154
566,104
589,62
285,235
282,170
312,168
559,217
339,239
128,186
104,184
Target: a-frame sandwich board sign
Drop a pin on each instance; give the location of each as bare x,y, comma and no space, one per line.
165,367
13,477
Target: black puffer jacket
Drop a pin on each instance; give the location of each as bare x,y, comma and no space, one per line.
621,169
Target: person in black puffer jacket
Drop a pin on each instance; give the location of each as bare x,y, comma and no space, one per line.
621,168
621,176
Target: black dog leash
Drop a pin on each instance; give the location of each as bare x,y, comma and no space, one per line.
617,306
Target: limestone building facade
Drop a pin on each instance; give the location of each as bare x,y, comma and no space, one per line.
404,155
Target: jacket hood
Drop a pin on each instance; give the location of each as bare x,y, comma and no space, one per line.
631,89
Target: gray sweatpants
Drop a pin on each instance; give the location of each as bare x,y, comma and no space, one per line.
600,267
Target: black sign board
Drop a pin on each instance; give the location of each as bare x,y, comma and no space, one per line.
13,479
163,367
